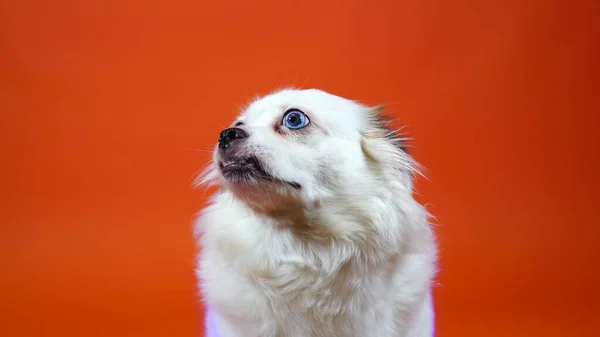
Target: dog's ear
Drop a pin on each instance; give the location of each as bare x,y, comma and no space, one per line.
377,132
379,126
383,145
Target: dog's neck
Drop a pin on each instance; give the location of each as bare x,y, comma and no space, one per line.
303,220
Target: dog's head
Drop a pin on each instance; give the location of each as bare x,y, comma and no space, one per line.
295,149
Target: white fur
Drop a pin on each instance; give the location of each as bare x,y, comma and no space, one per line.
349,254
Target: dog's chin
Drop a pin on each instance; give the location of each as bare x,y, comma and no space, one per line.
243,171
250,172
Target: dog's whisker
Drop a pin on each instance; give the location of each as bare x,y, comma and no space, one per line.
295,78
200,150
303,83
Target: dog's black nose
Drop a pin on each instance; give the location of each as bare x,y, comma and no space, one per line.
228,136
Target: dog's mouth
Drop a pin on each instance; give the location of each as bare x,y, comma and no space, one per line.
234,167
248,170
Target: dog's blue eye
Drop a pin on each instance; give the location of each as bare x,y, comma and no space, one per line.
295,119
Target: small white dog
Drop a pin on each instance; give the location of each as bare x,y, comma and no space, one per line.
314,231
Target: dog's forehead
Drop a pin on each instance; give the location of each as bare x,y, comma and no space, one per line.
327,107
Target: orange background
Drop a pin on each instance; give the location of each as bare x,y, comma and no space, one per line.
104,105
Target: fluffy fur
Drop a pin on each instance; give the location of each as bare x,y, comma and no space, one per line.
333,244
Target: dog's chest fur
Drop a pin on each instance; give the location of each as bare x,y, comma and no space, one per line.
293,300
265,283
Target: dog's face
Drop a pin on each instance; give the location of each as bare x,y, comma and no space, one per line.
302,146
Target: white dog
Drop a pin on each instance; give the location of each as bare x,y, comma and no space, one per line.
314,231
